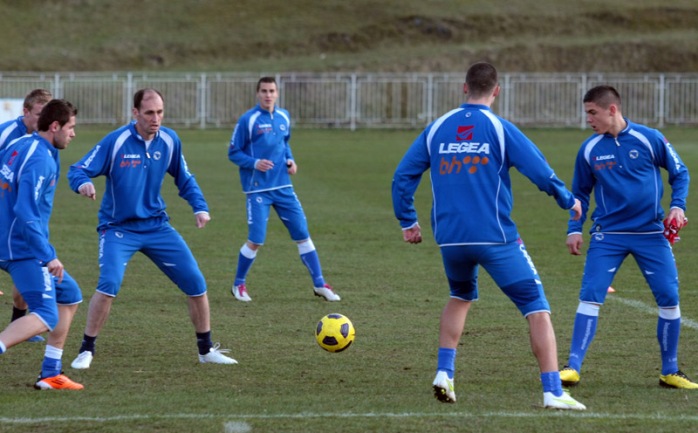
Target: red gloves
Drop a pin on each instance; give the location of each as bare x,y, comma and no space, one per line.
671,231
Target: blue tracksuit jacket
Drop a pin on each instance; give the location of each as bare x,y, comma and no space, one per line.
29,170
260,134
469,151
11,130
134,177
624,174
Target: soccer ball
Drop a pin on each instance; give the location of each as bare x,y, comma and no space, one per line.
334,332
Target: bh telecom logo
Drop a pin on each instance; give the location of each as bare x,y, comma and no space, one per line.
463,154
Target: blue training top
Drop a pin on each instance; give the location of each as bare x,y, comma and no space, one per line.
134,177
624,173
29,170
260,134
469,151
12,130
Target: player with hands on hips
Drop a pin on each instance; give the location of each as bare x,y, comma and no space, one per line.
260,148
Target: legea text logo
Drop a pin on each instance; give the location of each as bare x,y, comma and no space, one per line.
476,154
603,162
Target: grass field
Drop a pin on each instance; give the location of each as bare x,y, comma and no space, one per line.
146,378
361,35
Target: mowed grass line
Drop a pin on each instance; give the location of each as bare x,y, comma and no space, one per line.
145,376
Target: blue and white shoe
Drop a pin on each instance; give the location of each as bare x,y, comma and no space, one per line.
36,339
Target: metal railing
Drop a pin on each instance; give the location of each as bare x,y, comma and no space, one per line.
363,100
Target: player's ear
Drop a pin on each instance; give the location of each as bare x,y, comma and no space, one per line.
465,88
496,91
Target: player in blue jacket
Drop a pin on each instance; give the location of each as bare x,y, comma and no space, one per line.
621,163
9,131
134,160
468,152
260,147
29,171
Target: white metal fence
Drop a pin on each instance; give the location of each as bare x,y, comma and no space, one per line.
363,100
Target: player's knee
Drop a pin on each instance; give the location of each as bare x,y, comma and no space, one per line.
47,312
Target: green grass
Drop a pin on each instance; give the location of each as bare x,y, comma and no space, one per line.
361,35
145,376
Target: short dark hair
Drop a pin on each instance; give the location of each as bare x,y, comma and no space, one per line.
37,96
603,96
481,79
56,110
139,95
265,80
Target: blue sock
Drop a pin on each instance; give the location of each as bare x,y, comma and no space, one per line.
311,261
2,348
446,361
551,382
245,260
585,322
668,335
51,366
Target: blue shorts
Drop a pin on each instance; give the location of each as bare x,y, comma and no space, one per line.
652,254
37,287
510,267
163,245
67,291
287,207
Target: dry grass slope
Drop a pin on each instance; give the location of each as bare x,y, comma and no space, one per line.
332,35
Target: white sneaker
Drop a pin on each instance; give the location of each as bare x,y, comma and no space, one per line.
240,292
564,402
215,356
327,293
443,388
83,360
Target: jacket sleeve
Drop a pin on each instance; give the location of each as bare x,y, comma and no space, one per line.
95,163
679,177
31,187
406,180
239,143
185,181
583,183
529,161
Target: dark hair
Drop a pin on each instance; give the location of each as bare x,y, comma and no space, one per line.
265,80
58,110
603,96
37,96
481,79
140,95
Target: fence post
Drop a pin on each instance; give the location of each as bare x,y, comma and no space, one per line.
352,103
202,98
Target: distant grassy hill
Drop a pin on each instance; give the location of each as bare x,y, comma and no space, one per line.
364,35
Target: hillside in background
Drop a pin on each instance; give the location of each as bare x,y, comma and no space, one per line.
358,35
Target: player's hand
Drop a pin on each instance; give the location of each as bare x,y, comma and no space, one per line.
55,268
574,244
291,167
413,234
88,190
202,218
677,217
263,165
576,210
